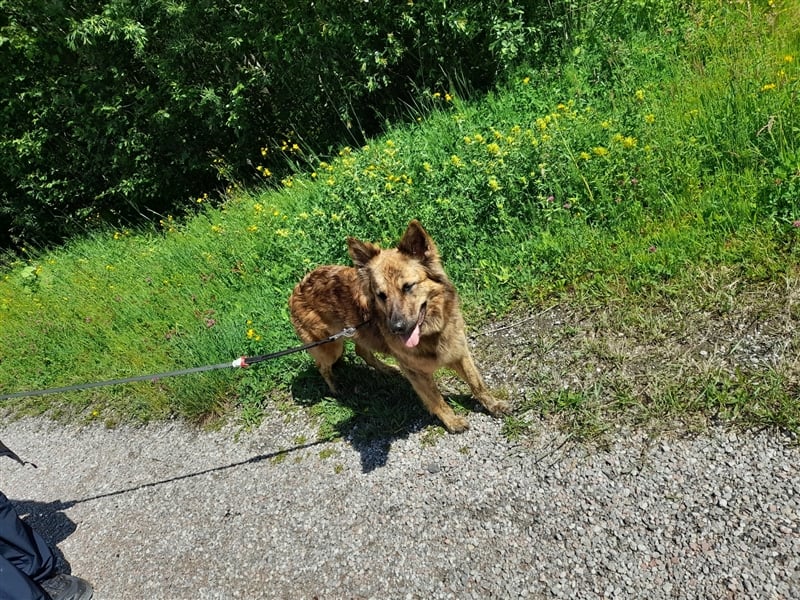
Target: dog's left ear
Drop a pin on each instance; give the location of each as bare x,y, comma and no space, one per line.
418,244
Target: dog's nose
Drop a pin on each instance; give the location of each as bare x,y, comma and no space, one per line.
397,326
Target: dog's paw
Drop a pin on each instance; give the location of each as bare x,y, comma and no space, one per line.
497,408
456,424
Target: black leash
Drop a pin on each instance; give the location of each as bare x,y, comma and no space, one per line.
242,362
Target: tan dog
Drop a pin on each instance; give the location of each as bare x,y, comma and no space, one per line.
411,311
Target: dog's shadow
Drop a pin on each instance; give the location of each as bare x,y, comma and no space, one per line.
370,410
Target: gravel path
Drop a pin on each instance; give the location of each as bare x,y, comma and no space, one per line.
166,511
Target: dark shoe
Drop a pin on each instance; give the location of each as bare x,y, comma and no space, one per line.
67,587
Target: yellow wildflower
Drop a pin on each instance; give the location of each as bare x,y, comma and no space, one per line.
494,185
768,87
650,118
600,151
456,161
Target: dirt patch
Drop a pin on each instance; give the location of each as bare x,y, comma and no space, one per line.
730,352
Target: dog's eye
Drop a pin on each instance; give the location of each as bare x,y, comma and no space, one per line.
408,287
381,296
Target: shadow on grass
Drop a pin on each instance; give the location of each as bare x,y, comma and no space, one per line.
370,410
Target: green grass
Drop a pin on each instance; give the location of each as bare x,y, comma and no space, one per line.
645,160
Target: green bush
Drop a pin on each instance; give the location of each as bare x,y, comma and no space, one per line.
117,110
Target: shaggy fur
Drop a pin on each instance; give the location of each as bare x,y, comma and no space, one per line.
411,311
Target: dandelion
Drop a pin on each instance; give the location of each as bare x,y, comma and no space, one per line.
336,218
605,124
639,95
427,167
494,185
216,229
629,142
258,207
448,98
788,58
650,118
456,161
287,182
526,80
600,151
303,215
282,233
264,151
493,149
768,87
252,229
584,156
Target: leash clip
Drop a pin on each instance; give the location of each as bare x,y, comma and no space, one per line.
348,332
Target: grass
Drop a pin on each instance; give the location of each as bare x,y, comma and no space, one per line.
657,154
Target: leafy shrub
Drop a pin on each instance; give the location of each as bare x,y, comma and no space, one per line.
115,111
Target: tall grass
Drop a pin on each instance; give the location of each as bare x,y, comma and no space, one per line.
628,166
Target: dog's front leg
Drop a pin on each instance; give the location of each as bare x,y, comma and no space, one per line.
466,369
425,386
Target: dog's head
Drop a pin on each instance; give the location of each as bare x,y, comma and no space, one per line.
404,283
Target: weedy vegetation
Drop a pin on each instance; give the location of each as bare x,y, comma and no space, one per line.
649,179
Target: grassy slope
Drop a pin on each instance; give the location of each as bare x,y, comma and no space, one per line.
637,170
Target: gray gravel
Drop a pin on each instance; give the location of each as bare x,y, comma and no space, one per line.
166,511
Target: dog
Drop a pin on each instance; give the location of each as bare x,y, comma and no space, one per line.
403,305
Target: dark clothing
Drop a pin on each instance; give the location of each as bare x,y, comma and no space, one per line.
25,558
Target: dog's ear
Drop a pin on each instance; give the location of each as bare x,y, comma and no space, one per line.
361,252
418,244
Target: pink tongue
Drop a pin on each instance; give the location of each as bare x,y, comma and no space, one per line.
413,338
